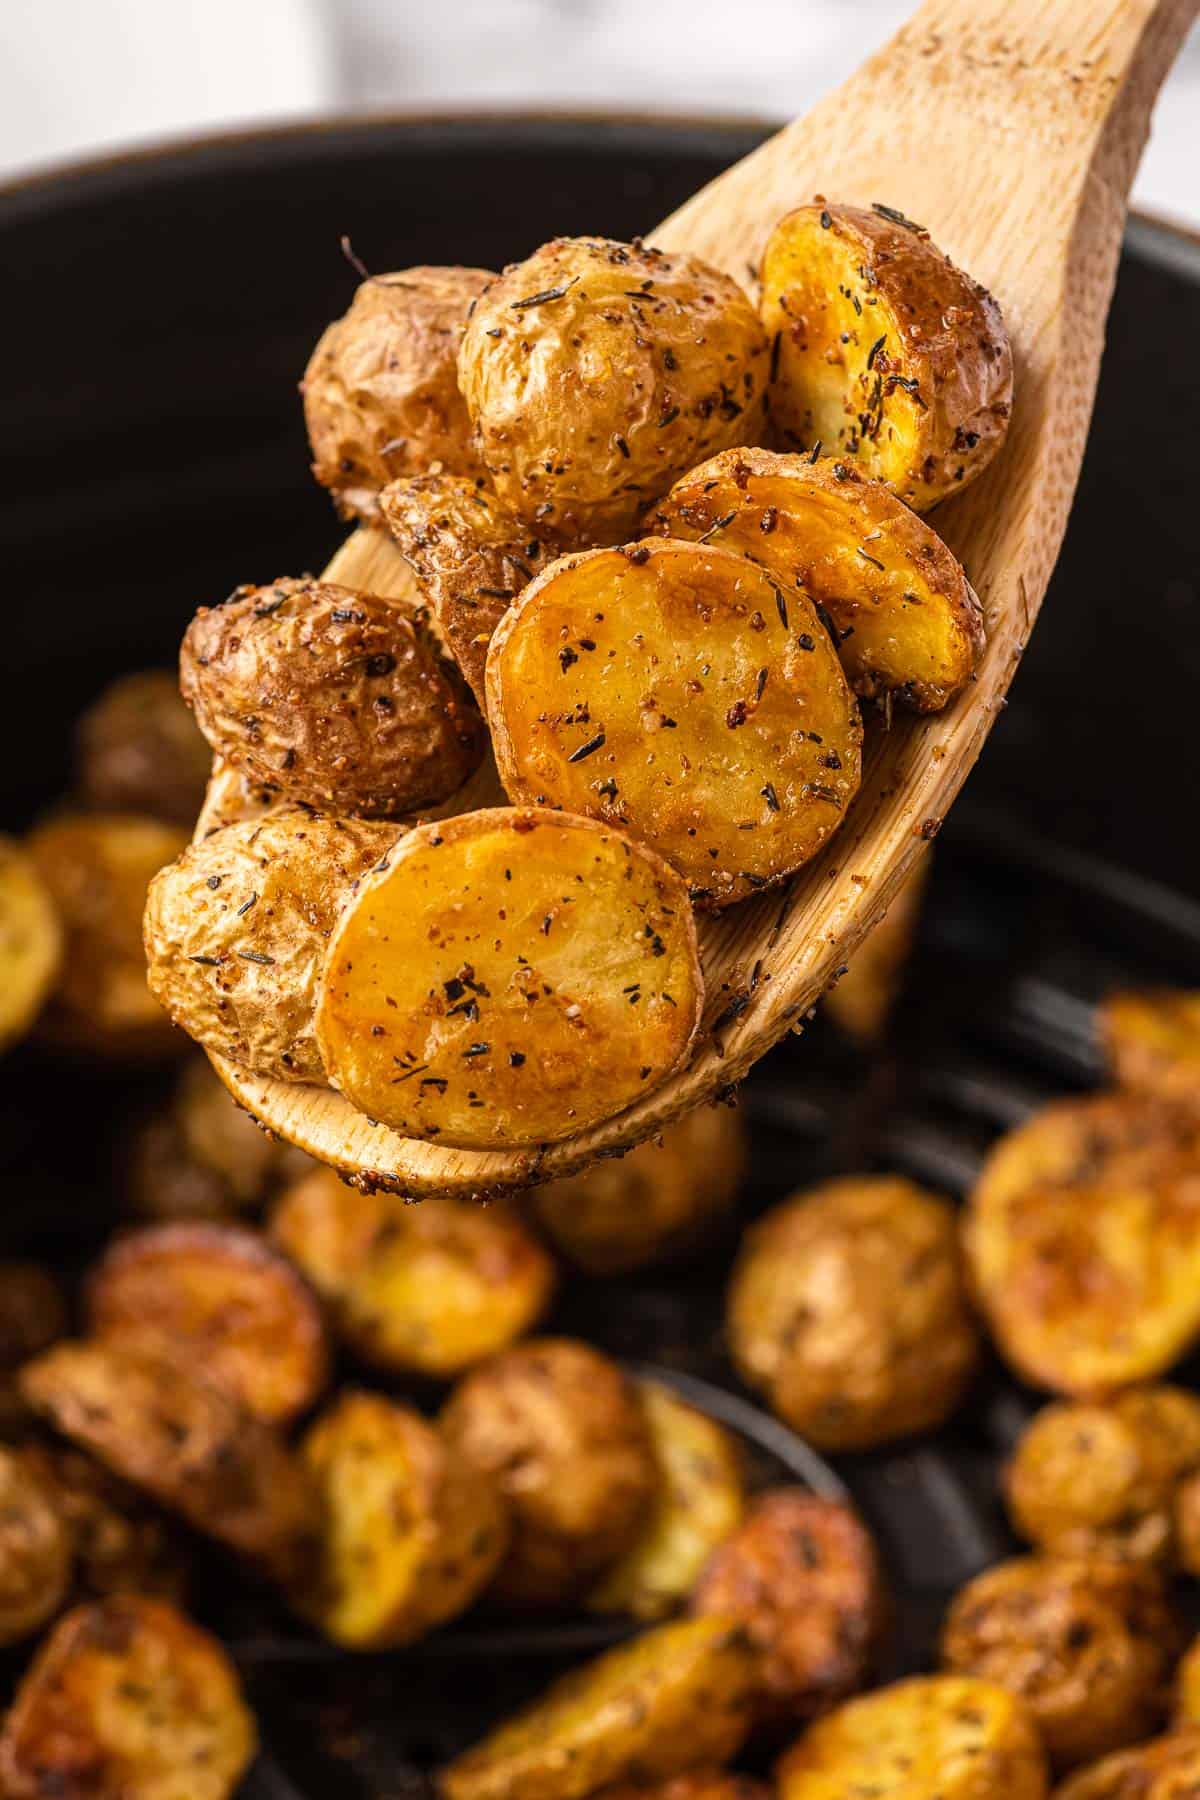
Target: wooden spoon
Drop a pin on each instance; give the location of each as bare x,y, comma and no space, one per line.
1012,130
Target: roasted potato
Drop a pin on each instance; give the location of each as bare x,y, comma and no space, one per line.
882,351
1187,1522
596,373
1167,1768
662,1197
1087,1645
238,929
902,613
673,689
137,750
120,1543
31,942
380,391
219,1296
698,1500
802,1576
557,981
1152,1042
1083,1241
97,868
127,1700
704,1784
215,1132
425,1290
470,554
679,1697
560,1428
411,1533
861,1000
1099,1479
933,1737
36,1549
165,1426
847,1309
339,699
1187,1687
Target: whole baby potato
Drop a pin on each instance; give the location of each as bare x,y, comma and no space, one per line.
596,373
137,750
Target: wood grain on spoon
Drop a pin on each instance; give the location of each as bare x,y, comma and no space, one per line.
1011,129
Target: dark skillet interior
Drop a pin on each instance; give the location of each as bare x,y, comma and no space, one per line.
158,313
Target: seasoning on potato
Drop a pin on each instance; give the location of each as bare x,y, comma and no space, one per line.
675,690
1167,1768
127,1698
339,699
596,373
677,1698
425,1290
904,618
1083,1241
557,981
137,750
1152,1042
847,1309
883,352
121,1543
31,942
36,1549
559,1426
238,928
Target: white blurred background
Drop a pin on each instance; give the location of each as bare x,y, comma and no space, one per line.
80,76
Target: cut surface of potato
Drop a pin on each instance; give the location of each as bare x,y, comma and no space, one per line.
36,1549
221,1297
137,750
1167,1768
698,1500
127,1700
678,1697
1152,1041
882,351
411,1533
903,616
1083,1240
556,980
31,942
675,690
428,1289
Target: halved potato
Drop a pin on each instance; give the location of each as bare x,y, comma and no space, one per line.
675,690
31,942
1083,1240
137,749
428,1289
698,1500
220,1296
512,977
121,1543
1152,1042
127,1698
883,352
1167,1768
903,615
36,1548
677,1698
411,1533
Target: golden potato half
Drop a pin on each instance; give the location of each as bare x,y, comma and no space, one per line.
513,977
678,1697
380,391
882,351
1152,1041
31,942
137,750
37,1548
596,373
675,690
934,1737
1083,1239
903,616
1167,1768
127,1698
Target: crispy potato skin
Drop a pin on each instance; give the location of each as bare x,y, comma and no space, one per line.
1087,1646
934,1737
163,1425
1083,1243
802,1575
886,353
589,402
137,750
847,1308
220,1296
471,556
672,689
380,391
31,942
905,622
339,699
1167,1768
120,1544
659,1199
677,1698
559,1427
425,1290
36,1549
1152,1042
127,1698
1099,1479
512,1028
238,928
97,869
